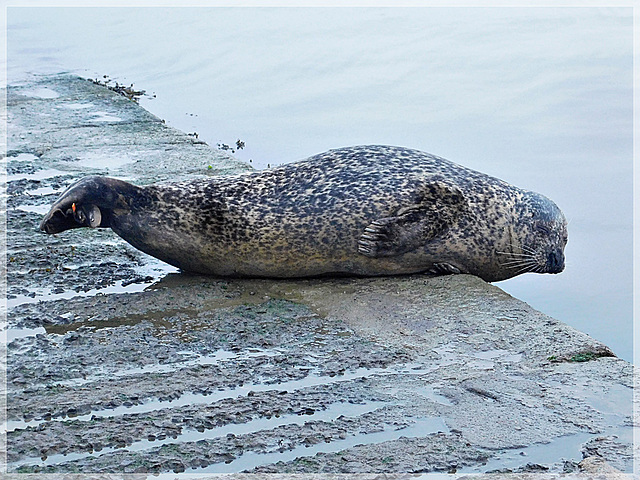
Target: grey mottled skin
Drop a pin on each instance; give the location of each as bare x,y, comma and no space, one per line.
368,210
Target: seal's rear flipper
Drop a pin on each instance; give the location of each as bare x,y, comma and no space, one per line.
89,202
439,205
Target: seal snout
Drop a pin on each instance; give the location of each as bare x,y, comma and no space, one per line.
555,262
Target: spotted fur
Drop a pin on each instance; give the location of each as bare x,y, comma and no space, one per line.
366,210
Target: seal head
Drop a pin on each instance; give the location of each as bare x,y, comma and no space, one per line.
539,238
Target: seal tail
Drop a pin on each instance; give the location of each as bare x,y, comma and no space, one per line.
89,202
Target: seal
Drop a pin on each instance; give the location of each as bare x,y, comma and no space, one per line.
362,211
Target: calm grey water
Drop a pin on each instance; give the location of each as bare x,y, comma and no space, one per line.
540,97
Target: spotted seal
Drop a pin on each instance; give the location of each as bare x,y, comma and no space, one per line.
366,210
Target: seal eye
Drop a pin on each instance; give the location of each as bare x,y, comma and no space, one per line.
543,229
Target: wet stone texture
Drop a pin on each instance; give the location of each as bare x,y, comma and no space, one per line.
118,364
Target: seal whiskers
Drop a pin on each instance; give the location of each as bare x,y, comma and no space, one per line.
520,262
528,250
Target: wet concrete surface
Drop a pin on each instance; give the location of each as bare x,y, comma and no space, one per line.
117,363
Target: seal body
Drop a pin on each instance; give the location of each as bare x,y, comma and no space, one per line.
367,210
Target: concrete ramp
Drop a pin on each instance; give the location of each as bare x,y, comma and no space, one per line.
118,364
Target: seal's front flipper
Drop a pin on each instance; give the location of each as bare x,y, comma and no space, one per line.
439,204
444,269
